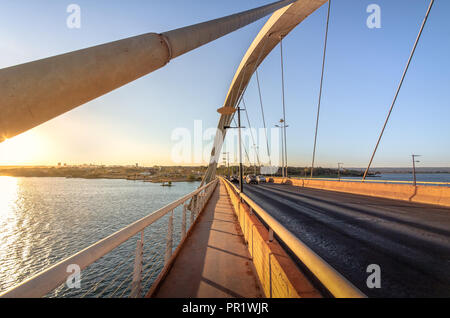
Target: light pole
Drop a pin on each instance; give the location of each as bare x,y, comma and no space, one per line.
256,154
241,176
339,170
227,159
283,127
282,151
283,120
234,162
414,167
227,110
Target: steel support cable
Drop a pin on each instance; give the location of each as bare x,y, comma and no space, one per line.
121,284
216,147
128,288
125,290
132,272
257,62
284,106
235,104
151,261
146,270
399,87
151,274
238,99
251,133
115,279
96,285
243,145
321,87
152,258
263,117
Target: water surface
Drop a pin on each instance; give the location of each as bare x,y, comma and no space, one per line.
44,220
421,177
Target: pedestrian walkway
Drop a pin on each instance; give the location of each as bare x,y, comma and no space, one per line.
214,261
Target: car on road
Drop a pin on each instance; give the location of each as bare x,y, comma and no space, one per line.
234,179
251,179
261,179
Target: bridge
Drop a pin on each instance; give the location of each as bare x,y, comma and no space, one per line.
287,238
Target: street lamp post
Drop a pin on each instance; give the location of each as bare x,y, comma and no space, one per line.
339,170
227,159
282,150
241,176
414,167
229,111
256,154
283,127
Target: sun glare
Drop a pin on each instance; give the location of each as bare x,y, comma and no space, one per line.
8,193
26,149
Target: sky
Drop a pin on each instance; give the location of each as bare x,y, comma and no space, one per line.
135,124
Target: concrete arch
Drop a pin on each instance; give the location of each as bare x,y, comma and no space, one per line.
280,24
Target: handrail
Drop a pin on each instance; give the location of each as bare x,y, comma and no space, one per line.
336,284
44,282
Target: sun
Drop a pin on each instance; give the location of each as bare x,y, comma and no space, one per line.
28,148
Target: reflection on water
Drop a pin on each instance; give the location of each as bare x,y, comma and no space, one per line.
44,220
421,177
8,221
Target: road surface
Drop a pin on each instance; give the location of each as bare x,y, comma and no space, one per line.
410,242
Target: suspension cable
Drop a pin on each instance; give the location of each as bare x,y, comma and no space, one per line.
251,132
399,86
263,117
243,145
321,87
239,98
284,106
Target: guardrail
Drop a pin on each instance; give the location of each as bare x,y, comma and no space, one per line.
143,269
332,280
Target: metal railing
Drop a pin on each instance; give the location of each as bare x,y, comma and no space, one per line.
125,276
332,280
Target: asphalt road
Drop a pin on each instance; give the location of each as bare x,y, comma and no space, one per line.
410,242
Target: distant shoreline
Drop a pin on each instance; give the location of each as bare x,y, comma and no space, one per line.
158,174
153,175
107,178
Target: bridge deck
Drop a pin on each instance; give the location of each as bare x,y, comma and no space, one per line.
409,241
214,261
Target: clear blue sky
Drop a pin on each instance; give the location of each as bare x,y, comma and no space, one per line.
134,123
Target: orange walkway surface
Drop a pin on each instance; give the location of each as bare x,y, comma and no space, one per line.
214,261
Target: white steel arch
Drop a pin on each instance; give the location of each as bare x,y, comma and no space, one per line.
280,24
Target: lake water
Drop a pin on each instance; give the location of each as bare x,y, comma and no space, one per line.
44,220
421,177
